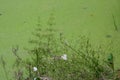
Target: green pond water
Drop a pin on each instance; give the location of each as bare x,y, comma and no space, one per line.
96,19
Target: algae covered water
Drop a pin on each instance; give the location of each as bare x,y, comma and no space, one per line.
97,19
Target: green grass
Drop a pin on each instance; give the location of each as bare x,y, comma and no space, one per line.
90,18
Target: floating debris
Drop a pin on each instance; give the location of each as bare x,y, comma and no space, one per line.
24,22
91,15
64,57
85,8
35,69
108,36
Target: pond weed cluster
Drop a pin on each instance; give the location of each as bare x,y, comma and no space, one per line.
55,58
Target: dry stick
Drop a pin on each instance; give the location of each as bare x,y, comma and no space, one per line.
4,67
115,25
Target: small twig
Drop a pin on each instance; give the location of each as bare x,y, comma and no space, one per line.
114,22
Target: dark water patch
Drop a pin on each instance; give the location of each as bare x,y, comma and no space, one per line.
108,36
0,14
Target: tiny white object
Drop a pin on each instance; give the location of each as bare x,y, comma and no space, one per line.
64,57
34,68
34,78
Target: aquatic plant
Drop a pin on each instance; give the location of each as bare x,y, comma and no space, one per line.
53,57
